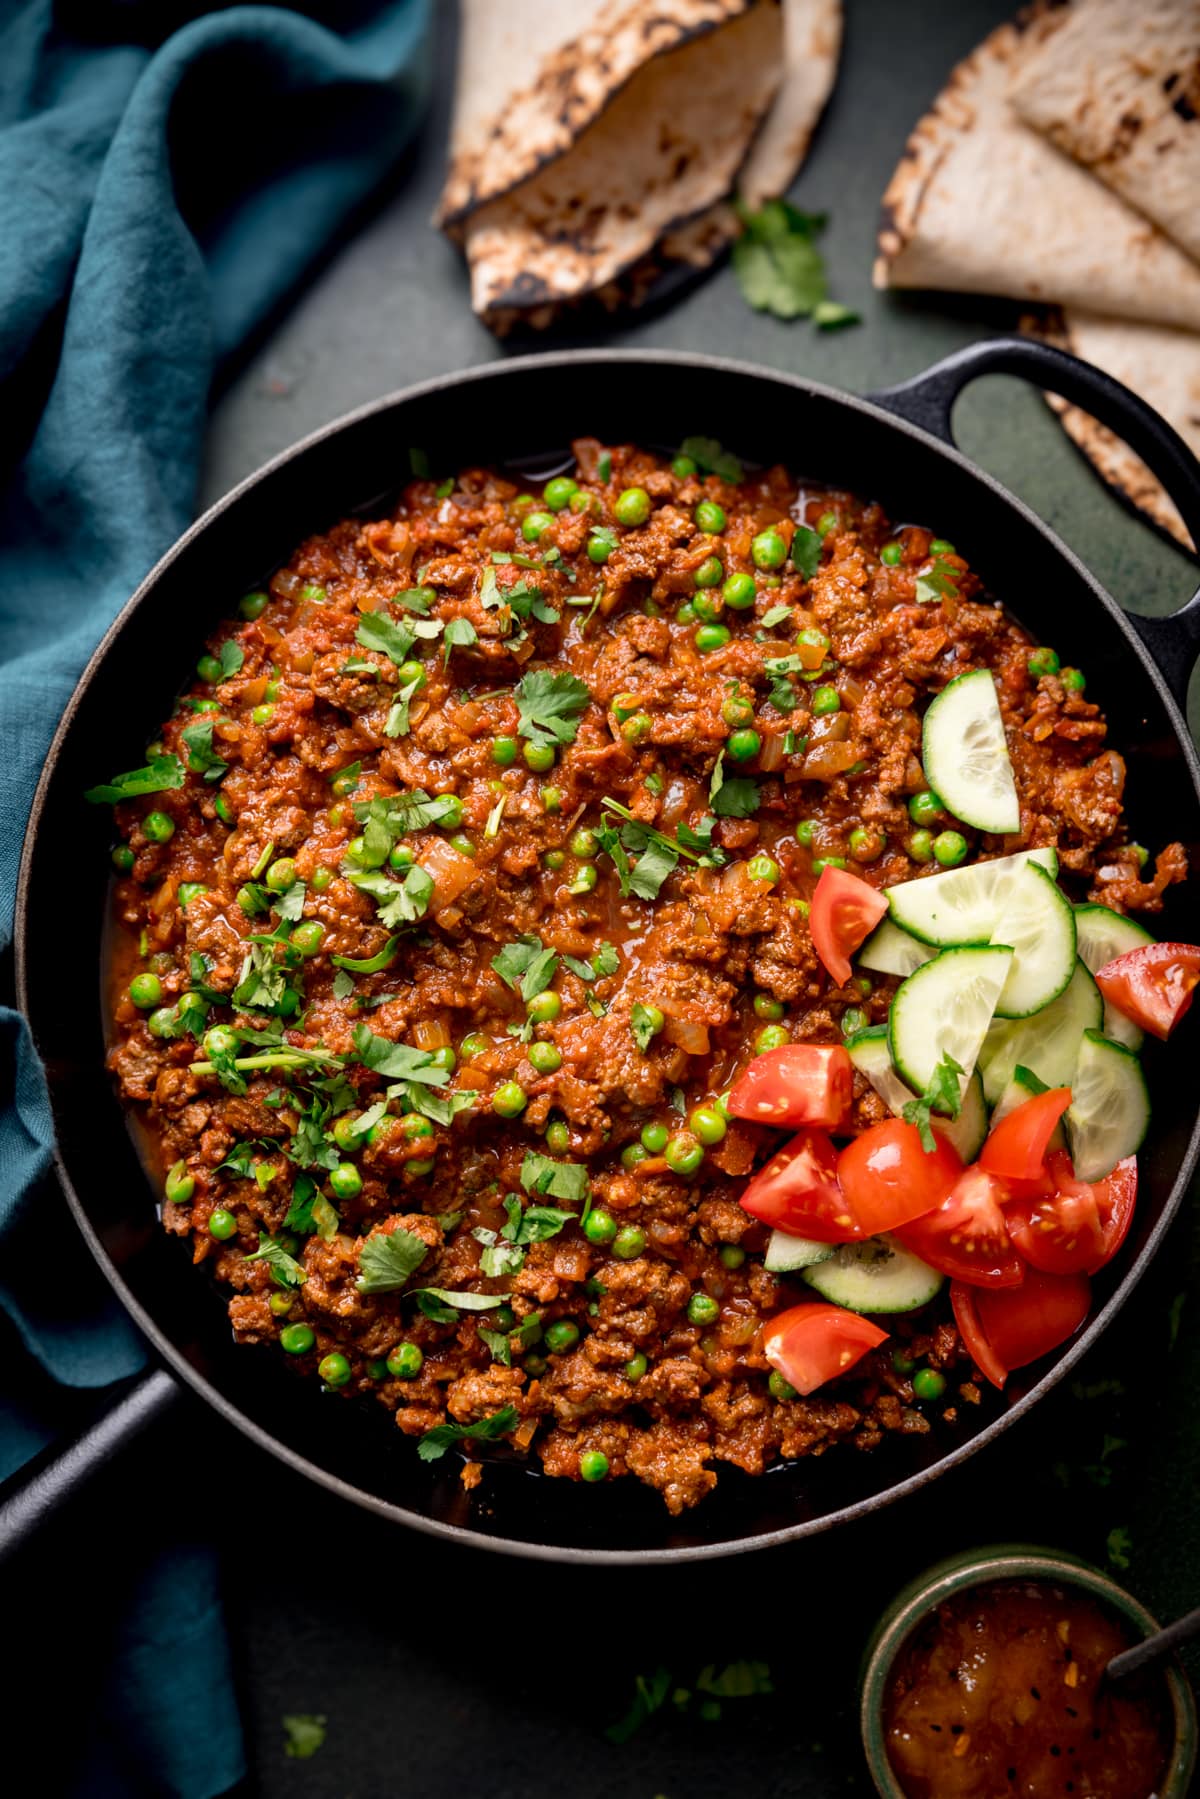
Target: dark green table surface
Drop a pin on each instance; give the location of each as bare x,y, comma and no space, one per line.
444,1672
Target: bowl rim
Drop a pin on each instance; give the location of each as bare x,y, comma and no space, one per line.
981,1567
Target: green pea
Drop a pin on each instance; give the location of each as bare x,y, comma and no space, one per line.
928,1385
941,546
825,700
1043,661
702,1309
503,1318
823,862
743,746
827,522
924,808
684,1155
710,518
400,856
920,846
344,783
452,817
123,858
805,831
334,1369
766,1007
732,1255
903,1364
308,937
504,751
686,613
639,726
161,1023
682,467
179,1185
544,1057
539,757
552,799
950,848
772,1036
710,573
417,1166
209,669
584,844
601,544
738,591
347,1135
224,811
187,891
471,1046
584,502
737,711
632,506
414,1125
654,1138
345,1182
509,1100
557,493
707,607
708,1123
221,1224
280,1304
865,845
281,875
405,1361
253,605
891,553
544,1008
297,1339
561,1336
558,1136
636,1366
593,1465
779,1388
444,1057
854,1019
554,859
1073,679
262,715
632,1155
763,868
413,674
628,1243
600,1226
585,881
158,827
768,549
711,637
145,990
535,525
322,880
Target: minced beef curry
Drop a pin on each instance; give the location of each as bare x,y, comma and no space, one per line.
469,873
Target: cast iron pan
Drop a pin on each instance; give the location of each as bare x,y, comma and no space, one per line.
896,448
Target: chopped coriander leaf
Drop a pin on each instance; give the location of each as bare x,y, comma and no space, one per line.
399,902
441,1303
415,599
369,964
435,1442
645,1022
806,554
526,600
304,1732
343,985
549,706
418,462
460,634
347,777
562,1180
444,489
160,775
231,657
776,616
711,459
831,315
526,966
287,1270
397,1061
378,632
401,812
386,1263
937,583
202,759
650,1692
778,266
606,961
604,466
782,695
397,724
498,1344
290,903
498,1258
732,796
943,1095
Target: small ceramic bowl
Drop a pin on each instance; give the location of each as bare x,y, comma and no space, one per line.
1008,1561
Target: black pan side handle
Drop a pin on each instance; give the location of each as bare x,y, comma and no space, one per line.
30,1497
928,401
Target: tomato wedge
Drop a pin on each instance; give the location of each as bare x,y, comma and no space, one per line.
966,1236
798,1083
798,1191
844,910
1016,1147
1077,1227
1008,1327
888,1179
813,1343
1153,985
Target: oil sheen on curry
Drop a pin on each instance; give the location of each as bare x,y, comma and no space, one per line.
612,969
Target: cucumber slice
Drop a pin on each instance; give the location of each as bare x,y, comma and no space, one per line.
1037,921
785,1254
879,1275
1110,1107
944,1010
889,950
964,904
1047,1043
1103,935
869,1053
965,754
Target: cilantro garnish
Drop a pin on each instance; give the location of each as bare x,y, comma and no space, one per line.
435,1442
415,599
399,902
160,775
231,657
397,1061
369,964
943,1095
711,459
732,796
460,634
562,1180
443,1303
549,706
782,695
310,1210
776,616
806,554
526,966
378,632
284,1268
349,775
304,1732
778,266
385,1263
202,759
938,582
657,854
441,1108
645,1022
396,724
606,961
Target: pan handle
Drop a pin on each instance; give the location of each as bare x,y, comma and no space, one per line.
32,1495
928,401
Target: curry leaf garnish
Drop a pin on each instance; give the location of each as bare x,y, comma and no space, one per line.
286,1269
376,631
160,775
397,1061
943,1095
387,1262
711,459
526,966
645,1023
435,1442
549,706
562,1180
806,557
202,759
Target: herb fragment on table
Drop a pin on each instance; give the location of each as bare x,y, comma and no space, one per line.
711,459
1118,1546
304,1733
549,707
160,775
386,1263
943,1095
434,1444
779,267
712,1686
397,1061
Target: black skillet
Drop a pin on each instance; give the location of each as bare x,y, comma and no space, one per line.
896,448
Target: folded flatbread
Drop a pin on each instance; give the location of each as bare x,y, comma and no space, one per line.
601,166
982,203
1162,366
1117,88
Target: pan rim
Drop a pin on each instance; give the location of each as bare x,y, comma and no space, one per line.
505,370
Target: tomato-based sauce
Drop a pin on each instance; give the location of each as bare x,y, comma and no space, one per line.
1001,1692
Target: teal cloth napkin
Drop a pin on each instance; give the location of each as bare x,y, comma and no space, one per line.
168,173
